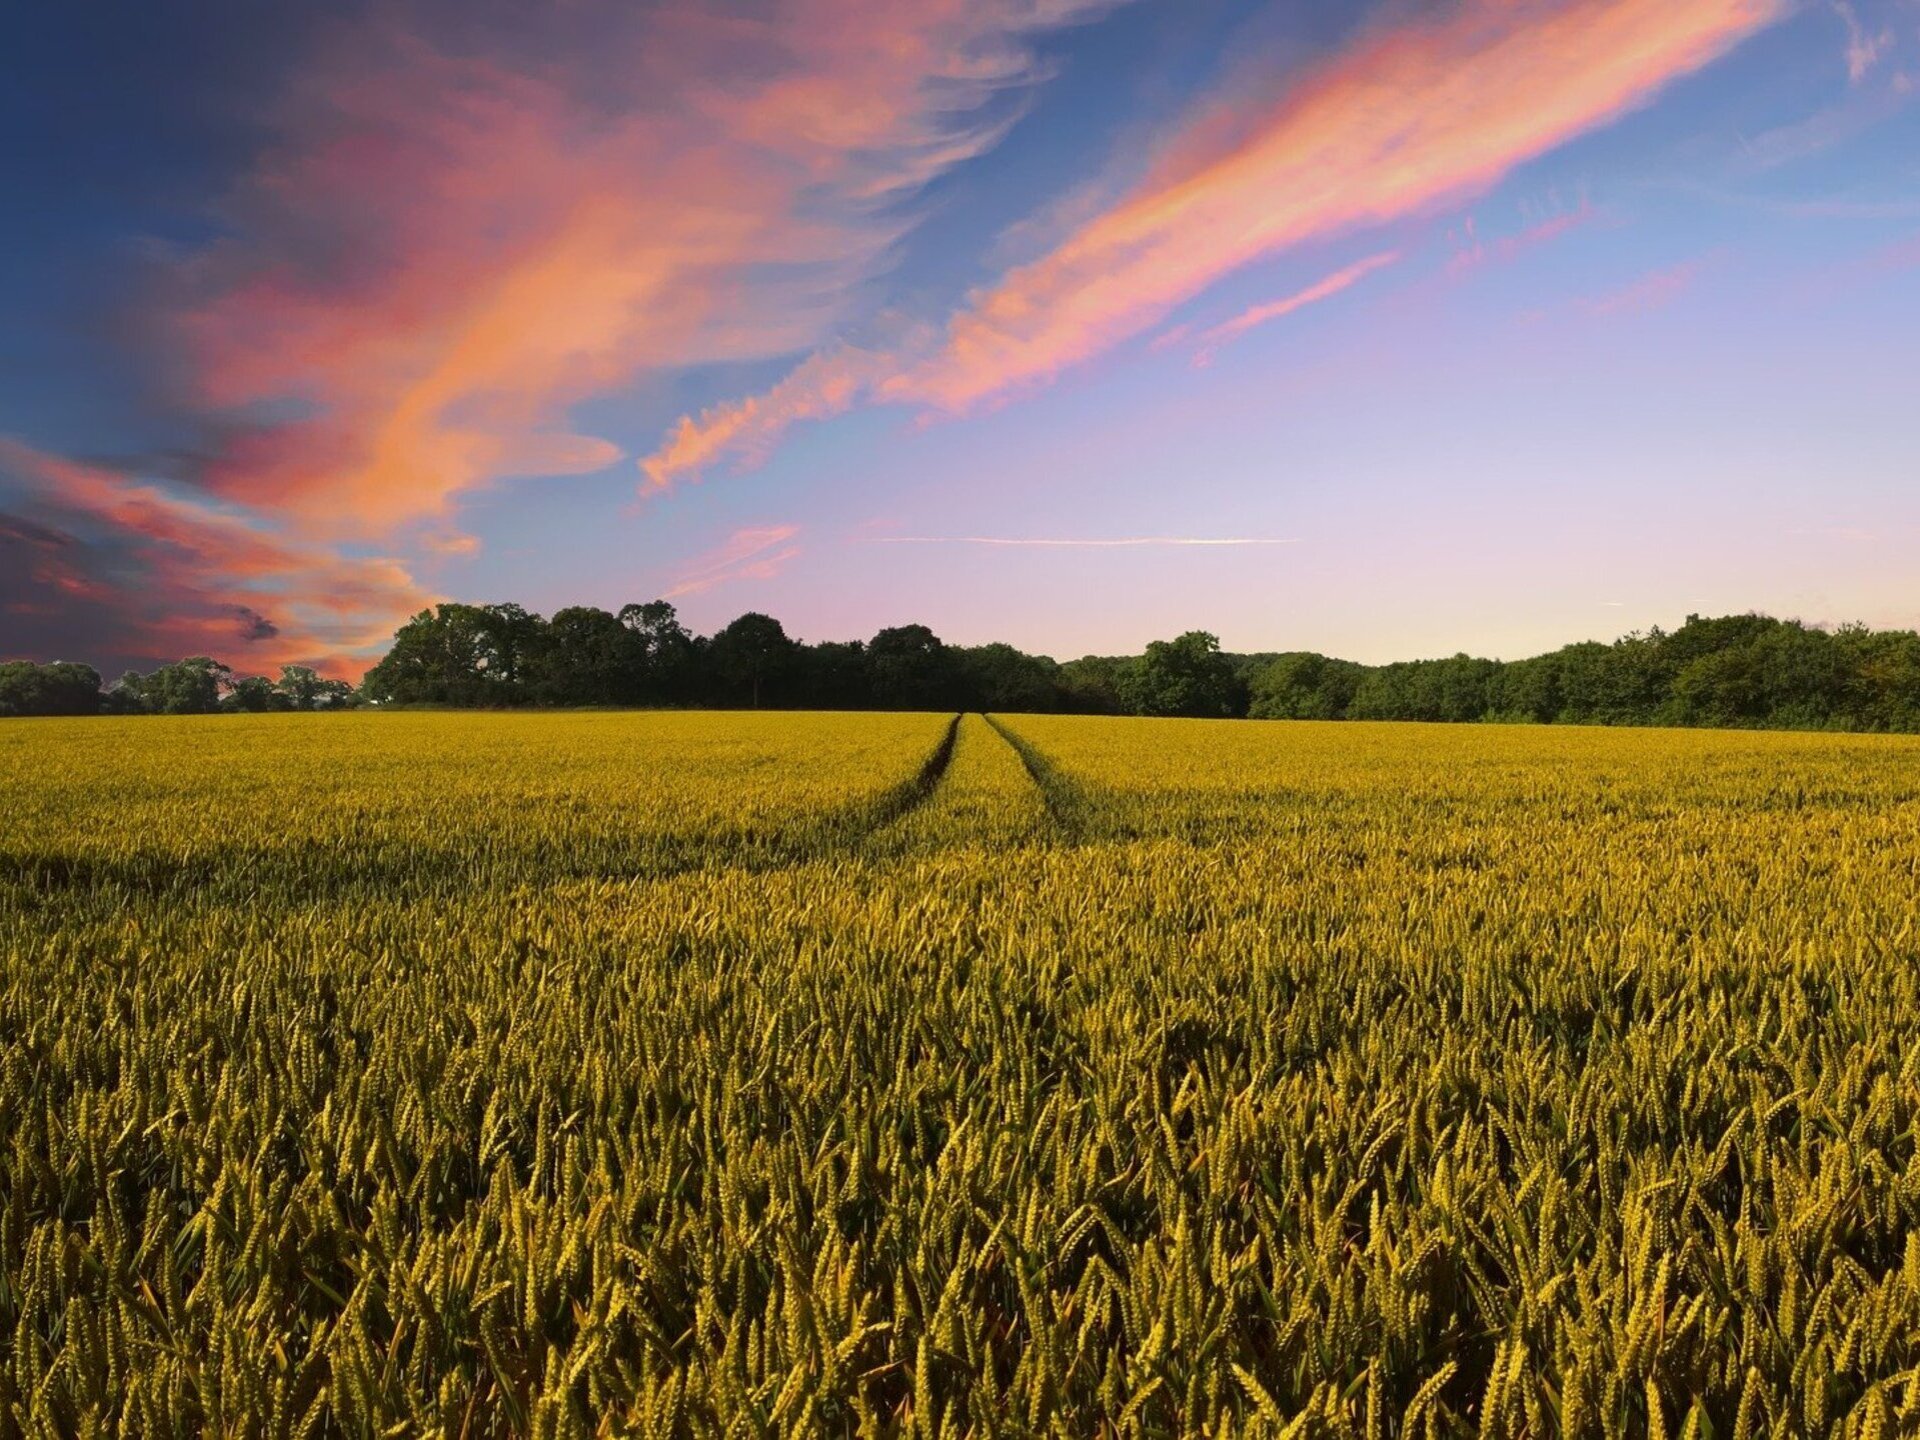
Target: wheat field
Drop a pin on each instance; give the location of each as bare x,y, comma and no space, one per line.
913,1075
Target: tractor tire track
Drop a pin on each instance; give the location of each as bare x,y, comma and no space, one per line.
911,794
1066,801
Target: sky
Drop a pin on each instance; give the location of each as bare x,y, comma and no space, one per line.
1387,330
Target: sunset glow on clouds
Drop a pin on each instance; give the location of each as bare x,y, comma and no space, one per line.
1412,116
1271,310
186,577
520,248
1125,542
757,553
414,312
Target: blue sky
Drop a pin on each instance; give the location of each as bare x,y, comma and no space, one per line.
1483,326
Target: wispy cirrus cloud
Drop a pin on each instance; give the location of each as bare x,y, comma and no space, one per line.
519,240
1125,542
1651,291
1866,45
460,225
1413,116
1503,249
824,385
1257,315
755,553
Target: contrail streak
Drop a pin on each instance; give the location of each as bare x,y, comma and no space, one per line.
1133,541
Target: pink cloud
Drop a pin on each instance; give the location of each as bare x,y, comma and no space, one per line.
1125,542
756,553
1651,291
1865,48
444,251
455,233
1508,248
1257,315
825,384
183,575
1411,118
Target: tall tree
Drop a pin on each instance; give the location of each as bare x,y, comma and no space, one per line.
587,657
1184,676
439,657
510,639
833,675
301,685
753,654
668,652
1091,685
1001,678
306,689
1303,686
254,694
911,669
59,688
193,686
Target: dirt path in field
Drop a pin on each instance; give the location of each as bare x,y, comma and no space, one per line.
920,789
981,792
1066,806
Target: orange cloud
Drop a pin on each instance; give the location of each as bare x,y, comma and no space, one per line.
1412,117
176,575
450,542
758,553
444,252
455,233
823,385
1325,289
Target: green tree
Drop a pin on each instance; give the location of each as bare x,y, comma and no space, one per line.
1091,685
753,654
439,657
59,688
1185,676
910,669
254,694
832,675
1303,686
1883,677
1530,690
1458,689
193,686
314,691
511,638
668,654
1765,673
1385,692
1617,684
587,657
1001,678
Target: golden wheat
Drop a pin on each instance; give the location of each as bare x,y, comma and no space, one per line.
714,1075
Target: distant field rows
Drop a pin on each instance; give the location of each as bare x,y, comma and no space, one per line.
683,1074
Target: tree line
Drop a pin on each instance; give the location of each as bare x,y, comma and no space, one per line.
1736,670
195,686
